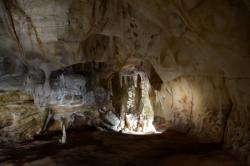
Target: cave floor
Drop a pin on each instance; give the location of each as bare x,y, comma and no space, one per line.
91,147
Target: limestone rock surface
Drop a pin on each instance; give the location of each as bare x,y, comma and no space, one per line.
199,50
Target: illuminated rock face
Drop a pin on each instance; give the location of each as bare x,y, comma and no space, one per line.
190,107
135,109
199,52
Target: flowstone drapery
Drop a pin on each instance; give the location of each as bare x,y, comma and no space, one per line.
136,113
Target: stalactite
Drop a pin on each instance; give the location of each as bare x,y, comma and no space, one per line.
125,80
120,80
135,77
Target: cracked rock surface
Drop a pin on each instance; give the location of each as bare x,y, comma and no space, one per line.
68,55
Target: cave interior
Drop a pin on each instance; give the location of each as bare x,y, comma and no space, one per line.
125,82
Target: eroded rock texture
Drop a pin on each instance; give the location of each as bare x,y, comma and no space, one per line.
195,54
20,119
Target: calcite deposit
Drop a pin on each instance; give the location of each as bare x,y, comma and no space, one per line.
133,66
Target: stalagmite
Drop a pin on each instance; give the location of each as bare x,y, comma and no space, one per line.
64,136
63,139
168,64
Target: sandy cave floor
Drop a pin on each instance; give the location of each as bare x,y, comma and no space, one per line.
91,147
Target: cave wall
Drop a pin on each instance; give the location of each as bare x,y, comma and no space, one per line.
199,48
190,104
237,130
20,120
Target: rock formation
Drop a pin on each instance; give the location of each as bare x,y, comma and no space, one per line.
181,65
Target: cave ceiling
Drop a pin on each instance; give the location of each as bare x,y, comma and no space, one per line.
170,64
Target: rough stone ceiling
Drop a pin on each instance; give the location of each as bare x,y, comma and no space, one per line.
181,33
